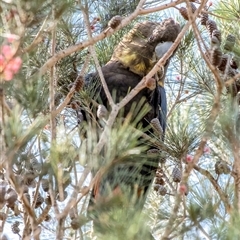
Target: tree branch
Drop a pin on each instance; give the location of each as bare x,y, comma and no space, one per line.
214,182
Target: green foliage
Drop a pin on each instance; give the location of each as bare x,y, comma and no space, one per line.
229,12
16,133
33,96
108,9
121,222
183,136
29,151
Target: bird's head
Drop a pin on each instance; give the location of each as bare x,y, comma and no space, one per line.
145,44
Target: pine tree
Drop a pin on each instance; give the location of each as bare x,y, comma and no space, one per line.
49,161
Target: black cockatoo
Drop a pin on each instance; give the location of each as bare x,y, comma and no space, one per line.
132,59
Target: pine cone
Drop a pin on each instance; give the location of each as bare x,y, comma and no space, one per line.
78,84
216,33
39,200
15,227
222,167
162,159
156,187
184,13
176,174
75,224
162,190
219,167
216,57
234,64
45,185
159,173
193,7
29,179
223,64
159,181
232,89
215,41
35,165
47,218
231,72
230,42
226,169
11,198
115,21
211,26
158,131
204,19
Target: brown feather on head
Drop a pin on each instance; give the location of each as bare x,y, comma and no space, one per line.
136,51
166,31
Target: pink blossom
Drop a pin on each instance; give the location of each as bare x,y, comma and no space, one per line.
15,64
11,38
206,150
7,51
183,189
210,4
178,77
189,158
8,75
47,127
2,62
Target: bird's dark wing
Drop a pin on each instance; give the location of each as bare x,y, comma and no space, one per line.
120,81
162,107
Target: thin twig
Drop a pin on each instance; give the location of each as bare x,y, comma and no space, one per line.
94,55
73,199
218,16
202,230
39,37
160,8
179,91
3,108
232,80
218,189
52,83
